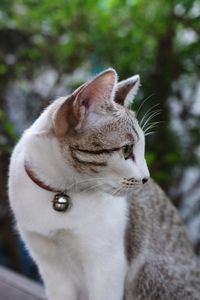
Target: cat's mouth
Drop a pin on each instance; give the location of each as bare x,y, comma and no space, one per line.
126,188
131,182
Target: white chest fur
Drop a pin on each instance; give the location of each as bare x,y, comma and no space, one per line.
80,253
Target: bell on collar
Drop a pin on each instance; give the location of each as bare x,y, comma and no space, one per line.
61,202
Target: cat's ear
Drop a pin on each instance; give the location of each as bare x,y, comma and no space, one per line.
126,90
85,101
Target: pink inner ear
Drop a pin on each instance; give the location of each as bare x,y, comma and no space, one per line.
86,99
97,91
85,103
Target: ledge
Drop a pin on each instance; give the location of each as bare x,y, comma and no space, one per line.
17,287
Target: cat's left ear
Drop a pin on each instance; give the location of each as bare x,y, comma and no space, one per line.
85,104
126,90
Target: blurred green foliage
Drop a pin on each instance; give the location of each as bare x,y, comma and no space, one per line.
8,137
157,39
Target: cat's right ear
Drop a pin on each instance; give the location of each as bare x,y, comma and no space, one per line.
126,90
84,102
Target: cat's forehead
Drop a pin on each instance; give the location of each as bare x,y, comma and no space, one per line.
115,129
123,126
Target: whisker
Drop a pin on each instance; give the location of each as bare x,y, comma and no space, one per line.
142,104
149,119
116,191
147,115
149,111
150,133
86,180
153,115
94,186
152,125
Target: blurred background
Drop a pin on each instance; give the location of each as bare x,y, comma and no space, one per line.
48,48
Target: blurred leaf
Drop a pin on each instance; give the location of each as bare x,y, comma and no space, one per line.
9,135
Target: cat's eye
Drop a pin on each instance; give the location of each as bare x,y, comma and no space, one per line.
127,150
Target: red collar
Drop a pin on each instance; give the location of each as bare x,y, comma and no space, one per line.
37,181
61,201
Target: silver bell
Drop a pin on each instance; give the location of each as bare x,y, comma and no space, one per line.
61,202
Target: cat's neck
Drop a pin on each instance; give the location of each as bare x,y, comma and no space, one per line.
43,154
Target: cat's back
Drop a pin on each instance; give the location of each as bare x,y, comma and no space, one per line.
158,220
158,249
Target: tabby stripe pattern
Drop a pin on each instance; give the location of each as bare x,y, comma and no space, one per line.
97,152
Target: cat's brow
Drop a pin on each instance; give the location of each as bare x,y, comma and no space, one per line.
132,138
95,152
136,133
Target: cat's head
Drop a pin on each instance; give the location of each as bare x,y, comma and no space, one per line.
100,137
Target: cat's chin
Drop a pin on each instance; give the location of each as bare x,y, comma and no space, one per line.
118,191
124,192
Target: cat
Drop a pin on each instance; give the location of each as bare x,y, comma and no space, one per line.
94,222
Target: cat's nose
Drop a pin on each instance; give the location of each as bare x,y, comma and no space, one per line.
144,180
